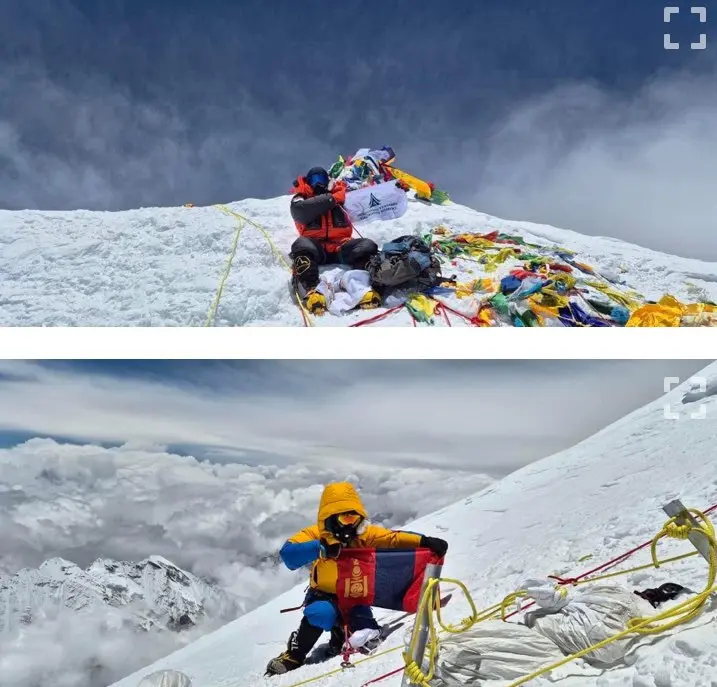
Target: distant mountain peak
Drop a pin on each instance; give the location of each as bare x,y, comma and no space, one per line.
155,593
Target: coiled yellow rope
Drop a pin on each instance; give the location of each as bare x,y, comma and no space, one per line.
661,622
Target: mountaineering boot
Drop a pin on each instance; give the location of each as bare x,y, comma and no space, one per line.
336,643
300,643
282,664
315,303
334,647
371,299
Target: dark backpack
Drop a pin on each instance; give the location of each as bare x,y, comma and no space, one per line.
405,262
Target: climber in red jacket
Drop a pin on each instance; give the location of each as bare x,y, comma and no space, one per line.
325,237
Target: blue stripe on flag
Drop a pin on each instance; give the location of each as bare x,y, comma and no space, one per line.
394,574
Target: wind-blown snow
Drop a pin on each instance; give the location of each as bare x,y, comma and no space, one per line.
162,266
599,498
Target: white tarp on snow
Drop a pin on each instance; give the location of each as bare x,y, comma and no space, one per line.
566,622
593,614
494,650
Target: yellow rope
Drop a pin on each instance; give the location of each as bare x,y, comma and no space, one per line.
241,222
510,601
213,309
341,670
636,569
661,622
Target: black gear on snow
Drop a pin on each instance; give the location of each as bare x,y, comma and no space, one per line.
665,592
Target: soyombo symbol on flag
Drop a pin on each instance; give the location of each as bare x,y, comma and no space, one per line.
385,578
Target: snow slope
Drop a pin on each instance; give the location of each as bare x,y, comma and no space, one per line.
162,266
154,591
599,498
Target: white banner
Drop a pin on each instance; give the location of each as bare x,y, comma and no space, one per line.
374,203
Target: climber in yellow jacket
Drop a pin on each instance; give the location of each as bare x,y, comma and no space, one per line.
342,522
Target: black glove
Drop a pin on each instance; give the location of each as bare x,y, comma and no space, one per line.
438,546
330,550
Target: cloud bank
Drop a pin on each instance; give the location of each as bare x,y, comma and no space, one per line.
223,522
220,521
636,167
92,649
339,415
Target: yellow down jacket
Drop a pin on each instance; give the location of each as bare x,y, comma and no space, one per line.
304,547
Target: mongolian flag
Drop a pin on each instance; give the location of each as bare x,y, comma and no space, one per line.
385,578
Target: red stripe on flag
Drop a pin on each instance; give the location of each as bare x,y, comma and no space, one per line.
412,598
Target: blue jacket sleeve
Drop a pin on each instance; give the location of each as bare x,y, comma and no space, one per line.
295,555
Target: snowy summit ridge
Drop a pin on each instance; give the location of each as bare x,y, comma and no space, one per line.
162,266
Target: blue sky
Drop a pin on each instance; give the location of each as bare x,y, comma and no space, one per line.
487,417
563,111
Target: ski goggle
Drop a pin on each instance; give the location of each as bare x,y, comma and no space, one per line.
318,179
348,519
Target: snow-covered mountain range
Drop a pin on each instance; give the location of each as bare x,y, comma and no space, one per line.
561,515
153,592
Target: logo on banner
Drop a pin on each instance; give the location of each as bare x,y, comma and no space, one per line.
383,202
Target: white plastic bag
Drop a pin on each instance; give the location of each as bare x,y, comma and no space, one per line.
343,289
165,678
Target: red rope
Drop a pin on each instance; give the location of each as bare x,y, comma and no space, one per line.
383,677
563,581
396,308
346,650
443,312
377,318
467,318
611,563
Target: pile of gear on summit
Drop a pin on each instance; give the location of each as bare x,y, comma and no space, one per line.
325,207
504,279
